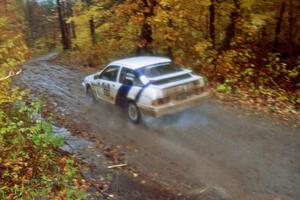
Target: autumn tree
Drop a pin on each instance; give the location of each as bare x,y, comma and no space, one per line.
13,49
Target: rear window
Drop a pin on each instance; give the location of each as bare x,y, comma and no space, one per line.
160,70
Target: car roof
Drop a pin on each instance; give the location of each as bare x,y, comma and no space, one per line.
140,61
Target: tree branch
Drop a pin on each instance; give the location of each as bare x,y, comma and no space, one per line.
11,74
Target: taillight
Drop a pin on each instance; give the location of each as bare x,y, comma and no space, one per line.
161,101
196,83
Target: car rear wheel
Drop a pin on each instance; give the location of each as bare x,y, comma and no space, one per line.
133,113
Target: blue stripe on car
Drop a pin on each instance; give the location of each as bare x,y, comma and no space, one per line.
138,96
123,91
121,98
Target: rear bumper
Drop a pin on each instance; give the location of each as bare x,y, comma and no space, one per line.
173,107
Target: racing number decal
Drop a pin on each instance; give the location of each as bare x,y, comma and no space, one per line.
106,89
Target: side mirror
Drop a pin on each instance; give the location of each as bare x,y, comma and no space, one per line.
97,76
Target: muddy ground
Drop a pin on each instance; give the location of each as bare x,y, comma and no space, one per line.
213,151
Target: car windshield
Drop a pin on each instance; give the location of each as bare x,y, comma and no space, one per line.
160,70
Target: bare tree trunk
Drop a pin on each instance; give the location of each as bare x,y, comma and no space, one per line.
91,24
67,13
231,29
278,24
63,27
212,15
92,31
146,32
291,25
72,25
170,50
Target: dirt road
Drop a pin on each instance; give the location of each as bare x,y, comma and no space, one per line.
212,147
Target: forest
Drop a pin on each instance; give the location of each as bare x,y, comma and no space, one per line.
248,50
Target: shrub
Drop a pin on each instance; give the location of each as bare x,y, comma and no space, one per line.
30,165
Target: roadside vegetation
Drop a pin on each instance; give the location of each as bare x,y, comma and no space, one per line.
31,165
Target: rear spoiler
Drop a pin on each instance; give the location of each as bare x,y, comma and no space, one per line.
181,82
158,78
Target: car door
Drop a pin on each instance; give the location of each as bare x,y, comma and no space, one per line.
107,85
130,85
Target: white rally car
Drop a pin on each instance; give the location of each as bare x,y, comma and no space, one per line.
151,85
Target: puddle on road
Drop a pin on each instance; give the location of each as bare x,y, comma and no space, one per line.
122,185
72,144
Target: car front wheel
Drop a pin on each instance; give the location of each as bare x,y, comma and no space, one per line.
90,94
133,113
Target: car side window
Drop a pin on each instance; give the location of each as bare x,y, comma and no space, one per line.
110,73
129,77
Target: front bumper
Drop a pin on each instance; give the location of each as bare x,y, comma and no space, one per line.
173,107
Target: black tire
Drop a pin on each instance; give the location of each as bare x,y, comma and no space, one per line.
90,94
133,113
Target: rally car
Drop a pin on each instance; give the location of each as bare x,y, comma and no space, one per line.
146,84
